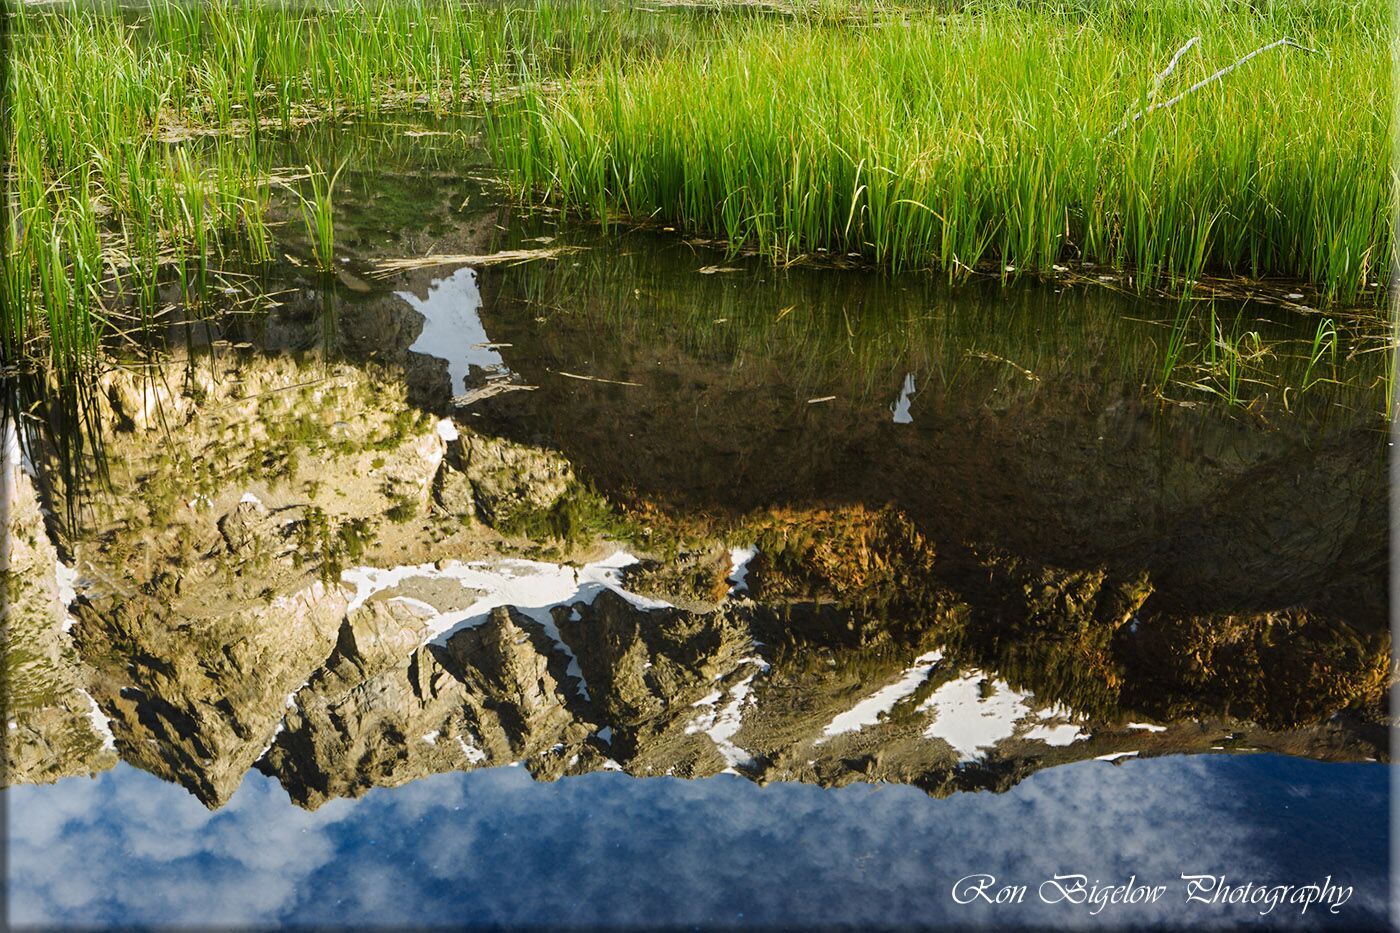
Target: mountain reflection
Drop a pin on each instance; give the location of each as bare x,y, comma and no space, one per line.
417,550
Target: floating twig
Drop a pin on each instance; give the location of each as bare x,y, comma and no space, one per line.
993,358
391,266
616,382
489,390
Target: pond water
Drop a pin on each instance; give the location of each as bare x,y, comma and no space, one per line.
495,848
524,574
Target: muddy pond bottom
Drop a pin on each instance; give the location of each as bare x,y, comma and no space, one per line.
495,848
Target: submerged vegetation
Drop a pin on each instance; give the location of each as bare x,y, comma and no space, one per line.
1008,136
830,332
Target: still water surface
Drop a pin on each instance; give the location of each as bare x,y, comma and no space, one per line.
496,848
1037,441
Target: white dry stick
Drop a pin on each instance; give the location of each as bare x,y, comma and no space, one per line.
388,267
615,382
1166,72
1204,81
493,388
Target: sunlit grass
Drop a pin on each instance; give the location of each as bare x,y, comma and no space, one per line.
990,140
318,212
967,136
138,148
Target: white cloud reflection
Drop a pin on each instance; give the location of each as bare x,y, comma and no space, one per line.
494,847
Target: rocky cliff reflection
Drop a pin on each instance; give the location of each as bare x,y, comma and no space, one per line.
803,527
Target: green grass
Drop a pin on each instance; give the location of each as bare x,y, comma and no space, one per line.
318,212
986,140
959,137
140,145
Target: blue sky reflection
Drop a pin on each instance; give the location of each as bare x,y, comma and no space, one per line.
494,847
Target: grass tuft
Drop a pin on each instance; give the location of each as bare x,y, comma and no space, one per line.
1001,137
